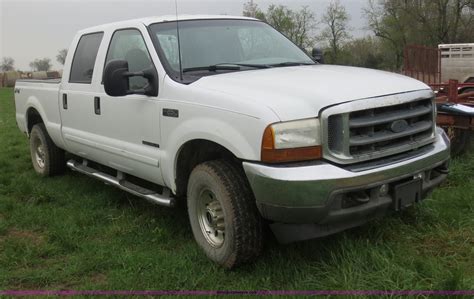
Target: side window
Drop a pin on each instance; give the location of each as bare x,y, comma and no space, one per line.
84,58
128,44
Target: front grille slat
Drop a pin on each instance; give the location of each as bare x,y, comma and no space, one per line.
388,117
387,135
380,131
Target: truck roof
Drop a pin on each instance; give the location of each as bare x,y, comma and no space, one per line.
159,19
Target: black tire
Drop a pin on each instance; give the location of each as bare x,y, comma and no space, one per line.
47,158
243,226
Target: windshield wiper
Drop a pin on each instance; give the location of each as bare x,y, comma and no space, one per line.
291,63
225,67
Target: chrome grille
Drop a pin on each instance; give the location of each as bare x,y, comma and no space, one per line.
356,133
370,130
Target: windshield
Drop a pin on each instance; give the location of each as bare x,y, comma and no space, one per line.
223,41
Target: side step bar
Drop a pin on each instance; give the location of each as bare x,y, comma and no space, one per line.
164,199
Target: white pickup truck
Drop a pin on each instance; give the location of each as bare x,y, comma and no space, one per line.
230,116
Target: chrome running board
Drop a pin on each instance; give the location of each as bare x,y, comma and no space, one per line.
164,199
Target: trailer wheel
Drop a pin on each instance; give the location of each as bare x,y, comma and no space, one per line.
47,158
223,215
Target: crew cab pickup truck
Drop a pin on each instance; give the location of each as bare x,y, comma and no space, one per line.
229,116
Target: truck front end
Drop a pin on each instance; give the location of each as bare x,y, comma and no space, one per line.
370,156
323,147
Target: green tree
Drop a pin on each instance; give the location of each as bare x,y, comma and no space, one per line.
252,10
61,57
7,64
41,64
387,20
364,52
297,25
336,30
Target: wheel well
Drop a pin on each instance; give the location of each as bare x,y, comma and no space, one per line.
195,152
32,118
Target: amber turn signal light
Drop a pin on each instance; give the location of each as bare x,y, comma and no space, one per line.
272,155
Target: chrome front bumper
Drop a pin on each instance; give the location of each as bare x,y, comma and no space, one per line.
312,192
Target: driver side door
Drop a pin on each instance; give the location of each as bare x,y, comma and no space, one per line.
129,125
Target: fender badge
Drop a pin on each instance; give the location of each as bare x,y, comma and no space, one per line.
170,112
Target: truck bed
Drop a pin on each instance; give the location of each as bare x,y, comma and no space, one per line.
40,97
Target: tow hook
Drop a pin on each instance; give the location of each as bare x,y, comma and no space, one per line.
443,169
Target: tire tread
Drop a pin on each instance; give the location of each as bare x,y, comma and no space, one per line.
248,225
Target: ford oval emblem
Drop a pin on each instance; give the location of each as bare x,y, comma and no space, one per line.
399,126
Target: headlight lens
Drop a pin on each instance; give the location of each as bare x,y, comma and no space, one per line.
292,141
301,133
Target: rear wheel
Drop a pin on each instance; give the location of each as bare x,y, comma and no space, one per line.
223,214
47,158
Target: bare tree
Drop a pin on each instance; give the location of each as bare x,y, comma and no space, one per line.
61,57
335,32
41,64
7,64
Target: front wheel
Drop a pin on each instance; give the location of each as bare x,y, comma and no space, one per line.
223,214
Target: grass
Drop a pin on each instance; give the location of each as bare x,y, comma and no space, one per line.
72,232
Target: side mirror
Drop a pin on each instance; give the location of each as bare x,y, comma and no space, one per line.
116,80
317,55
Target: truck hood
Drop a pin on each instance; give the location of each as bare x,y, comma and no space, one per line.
302,91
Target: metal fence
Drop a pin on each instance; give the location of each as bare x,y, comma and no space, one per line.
422,63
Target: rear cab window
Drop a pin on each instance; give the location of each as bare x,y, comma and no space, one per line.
85,55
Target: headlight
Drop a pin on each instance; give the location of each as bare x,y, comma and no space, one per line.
300,133
292,141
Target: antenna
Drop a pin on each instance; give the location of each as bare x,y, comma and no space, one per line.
179,43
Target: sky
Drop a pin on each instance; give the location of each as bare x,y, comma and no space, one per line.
31,29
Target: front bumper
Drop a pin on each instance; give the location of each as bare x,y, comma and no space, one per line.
321,194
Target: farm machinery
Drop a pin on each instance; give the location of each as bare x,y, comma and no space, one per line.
449,71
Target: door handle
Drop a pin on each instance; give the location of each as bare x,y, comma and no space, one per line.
64,101
97,105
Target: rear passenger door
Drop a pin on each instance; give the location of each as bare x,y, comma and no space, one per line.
76,102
